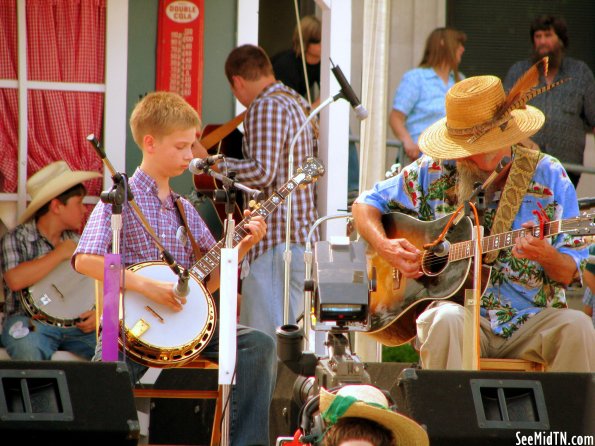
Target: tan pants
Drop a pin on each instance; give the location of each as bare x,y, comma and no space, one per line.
562,339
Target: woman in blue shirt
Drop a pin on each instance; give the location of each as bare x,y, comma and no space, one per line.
419,99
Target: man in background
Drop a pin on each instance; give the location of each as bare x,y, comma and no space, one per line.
569,108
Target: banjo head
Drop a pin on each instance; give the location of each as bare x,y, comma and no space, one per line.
61,297
158,335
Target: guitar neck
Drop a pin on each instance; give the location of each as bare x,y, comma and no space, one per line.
209,262
466,249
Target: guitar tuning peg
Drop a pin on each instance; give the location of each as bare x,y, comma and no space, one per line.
303,186
253,205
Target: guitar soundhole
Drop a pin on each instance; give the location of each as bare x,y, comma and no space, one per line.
432,265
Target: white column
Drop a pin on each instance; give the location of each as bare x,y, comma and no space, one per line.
334,120
116,63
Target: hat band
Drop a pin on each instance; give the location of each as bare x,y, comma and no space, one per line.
477,131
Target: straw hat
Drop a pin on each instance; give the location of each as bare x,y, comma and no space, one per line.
472,105
364,401
49,182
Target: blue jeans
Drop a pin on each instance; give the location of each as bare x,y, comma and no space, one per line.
42,341
263,289
256,373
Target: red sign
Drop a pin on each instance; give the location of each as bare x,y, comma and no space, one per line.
180,49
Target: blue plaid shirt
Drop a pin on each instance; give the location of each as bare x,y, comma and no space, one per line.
420,96
136,244
23,244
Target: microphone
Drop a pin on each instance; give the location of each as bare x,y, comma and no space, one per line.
441,249
199,165
479,188
181,289
501,165
347,92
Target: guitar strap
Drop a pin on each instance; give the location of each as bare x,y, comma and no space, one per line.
222,131
523,167
197,251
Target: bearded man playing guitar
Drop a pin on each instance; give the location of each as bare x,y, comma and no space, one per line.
523,308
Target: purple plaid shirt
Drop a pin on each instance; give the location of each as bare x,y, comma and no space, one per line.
136,244
272,120
24,243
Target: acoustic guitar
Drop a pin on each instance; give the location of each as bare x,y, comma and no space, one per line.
397,301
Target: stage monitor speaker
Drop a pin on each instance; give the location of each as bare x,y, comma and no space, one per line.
180,420
67,402
499,408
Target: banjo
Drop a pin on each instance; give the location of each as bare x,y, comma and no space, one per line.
60,297
153,334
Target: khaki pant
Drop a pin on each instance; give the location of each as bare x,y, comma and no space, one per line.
562,339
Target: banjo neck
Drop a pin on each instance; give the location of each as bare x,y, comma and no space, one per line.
211,260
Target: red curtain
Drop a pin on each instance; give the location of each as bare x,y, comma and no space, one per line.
65,43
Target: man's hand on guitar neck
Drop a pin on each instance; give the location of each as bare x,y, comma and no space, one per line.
398,252
557,265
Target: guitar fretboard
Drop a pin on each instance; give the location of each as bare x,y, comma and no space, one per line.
466,249
211,259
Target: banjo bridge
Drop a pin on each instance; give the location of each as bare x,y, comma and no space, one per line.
154,313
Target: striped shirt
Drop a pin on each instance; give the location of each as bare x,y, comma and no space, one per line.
23,244
272,120
136,244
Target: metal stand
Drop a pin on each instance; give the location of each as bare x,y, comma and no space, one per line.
113,271
341,367
112,274
308,286
287,252
228,295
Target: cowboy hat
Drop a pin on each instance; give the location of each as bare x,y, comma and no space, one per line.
365,401
49,182
472,125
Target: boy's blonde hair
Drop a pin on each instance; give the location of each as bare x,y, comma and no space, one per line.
161,113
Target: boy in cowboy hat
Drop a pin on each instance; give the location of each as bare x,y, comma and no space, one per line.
164,126
359,415
523,308
44,239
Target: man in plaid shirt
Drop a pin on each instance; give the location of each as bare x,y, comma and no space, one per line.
274,115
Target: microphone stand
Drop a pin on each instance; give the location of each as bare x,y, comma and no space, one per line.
229,183
228,293
472,303
287,253
112,274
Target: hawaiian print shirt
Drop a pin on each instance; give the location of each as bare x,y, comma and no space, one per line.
518,288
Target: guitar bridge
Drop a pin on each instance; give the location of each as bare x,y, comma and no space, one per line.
396,279
139,328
